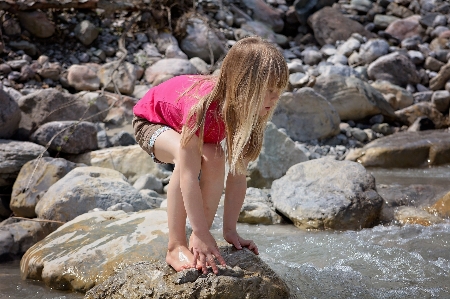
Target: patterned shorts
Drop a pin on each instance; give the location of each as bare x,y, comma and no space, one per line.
146,134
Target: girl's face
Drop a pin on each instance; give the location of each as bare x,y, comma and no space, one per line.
270,100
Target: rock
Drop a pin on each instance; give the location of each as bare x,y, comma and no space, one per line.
9,115
173,51
200,41
405,149
409,114
442,206
329,26
327,194
165,69
122,77
37,23
265,13
372,50
148,181
353,98
123,138
395,68
394,196
71,137
245,276
83,77
404,28
16,237
402,98
13,155
306,115
34,179
412,215
268,166
131,161
39,107
86,188
441,100
86,32
87,250
258,208
438,82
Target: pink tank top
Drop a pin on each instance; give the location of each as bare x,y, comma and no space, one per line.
162,104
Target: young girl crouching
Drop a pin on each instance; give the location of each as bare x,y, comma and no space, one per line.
183,120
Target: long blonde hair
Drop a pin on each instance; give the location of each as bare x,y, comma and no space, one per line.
251,67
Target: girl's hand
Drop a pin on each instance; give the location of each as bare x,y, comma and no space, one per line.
238,242
205,250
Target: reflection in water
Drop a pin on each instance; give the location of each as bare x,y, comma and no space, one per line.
389,262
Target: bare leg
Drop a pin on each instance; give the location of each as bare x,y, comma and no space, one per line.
212,179
178,255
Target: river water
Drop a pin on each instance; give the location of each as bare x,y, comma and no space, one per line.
381,262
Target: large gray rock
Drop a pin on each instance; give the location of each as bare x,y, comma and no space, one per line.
87,250
71,137
165,69
48,105
91,250
86,32
122,76
328,194
410,114
34,179
265,13
258,208
396,96
37,23
330,25
306,115
131,161
13,155
17,236
245,277
86,188
405,149
9,115
353,98
277,155
395,68
201,41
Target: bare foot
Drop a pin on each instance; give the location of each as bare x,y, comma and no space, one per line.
180,258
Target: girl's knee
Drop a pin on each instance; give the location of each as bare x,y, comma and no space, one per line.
213,154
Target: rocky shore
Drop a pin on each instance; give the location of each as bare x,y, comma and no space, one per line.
369,86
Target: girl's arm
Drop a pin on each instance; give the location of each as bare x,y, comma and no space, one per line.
234,198
203,245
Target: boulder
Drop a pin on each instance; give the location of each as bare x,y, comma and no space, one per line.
405,149
353,98
13,155
330,25
86,188
34,179
245,277
48,105
277,155
165,69
258,208
9,115
120,77
71,137
306,115
410,114
395,68
328,194
131,161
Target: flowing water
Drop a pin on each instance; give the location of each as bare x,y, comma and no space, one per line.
382,262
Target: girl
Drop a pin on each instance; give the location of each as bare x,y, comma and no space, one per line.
183,120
